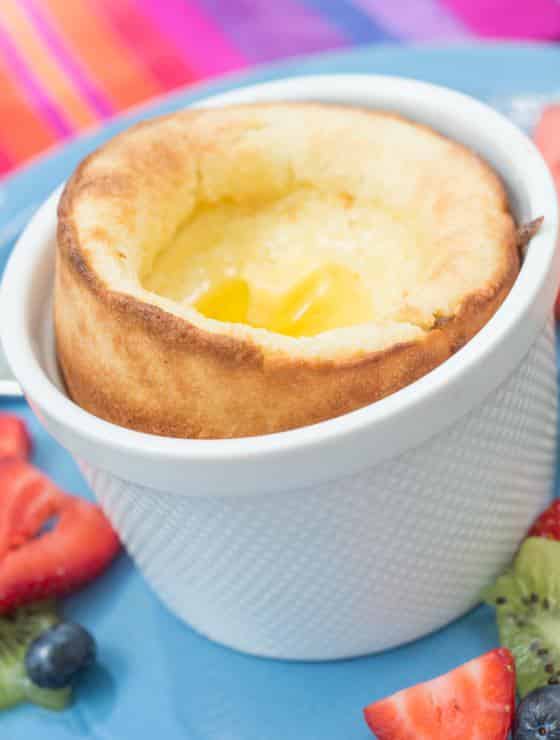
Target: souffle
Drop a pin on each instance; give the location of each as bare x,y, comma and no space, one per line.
245,270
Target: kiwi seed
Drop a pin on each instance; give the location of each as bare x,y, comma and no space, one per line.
530,626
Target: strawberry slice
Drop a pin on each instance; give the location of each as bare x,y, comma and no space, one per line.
474,701
547,139
14,438
548,523
51,543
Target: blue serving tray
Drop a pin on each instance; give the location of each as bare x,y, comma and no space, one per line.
157,678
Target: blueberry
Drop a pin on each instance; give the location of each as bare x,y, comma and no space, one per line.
538,715
58,655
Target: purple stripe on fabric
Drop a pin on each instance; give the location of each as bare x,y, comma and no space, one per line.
266,30
71,66
33,90
421,20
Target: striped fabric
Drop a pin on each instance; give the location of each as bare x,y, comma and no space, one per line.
68,64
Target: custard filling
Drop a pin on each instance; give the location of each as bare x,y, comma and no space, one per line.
330,297
301,264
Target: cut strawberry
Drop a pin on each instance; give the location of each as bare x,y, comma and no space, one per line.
51,543
547,138
548,523
14,438
474,701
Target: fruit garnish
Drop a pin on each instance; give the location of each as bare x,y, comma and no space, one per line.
547,138
548,523
14,438
527,602
58,656
476,700
51,543
17,632
538,715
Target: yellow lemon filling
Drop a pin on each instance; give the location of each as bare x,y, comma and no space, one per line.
330,297
299,265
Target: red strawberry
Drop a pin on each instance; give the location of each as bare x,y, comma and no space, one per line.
14,438
36,563
547,138
474,701
548,523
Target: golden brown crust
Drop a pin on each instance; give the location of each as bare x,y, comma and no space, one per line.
139,366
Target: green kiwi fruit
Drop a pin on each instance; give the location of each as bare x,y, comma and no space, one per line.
17,631
527,602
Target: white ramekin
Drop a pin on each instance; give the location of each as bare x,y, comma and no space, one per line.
358,533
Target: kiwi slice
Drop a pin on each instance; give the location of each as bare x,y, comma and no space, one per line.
17,631
527,602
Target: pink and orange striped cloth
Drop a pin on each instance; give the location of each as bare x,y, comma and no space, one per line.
67,64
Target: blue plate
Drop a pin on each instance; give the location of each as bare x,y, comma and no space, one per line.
157,678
